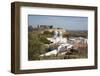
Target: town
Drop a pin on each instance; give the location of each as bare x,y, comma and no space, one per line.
47,42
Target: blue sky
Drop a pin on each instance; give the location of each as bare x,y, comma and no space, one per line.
66,22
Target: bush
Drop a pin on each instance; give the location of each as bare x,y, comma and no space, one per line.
36,46
53,46
48,34
44,40
30,28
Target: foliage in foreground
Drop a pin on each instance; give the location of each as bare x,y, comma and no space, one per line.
36,46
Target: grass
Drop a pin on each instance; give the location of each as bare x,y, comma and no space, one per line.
36,46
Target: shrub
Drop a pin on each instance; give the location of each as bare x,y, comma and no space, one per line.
36,46
44,40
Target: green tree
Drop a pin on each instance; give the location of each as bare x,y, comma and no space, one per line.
44,40
35,47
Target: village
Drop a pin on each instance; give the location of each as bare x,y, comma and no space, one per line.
61,44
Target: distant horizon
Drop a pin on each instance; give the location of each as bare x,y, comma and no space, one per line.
66,22
67,29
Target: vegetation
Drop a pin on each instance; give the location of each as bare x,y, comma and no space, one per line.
36,46
30,28
44,40
53,46
48,34
78,34
74,54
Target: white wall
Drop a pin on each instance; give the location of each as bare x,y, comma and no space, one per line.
5,33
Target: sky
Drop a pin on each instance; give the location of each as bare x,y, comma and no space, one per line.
66,22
